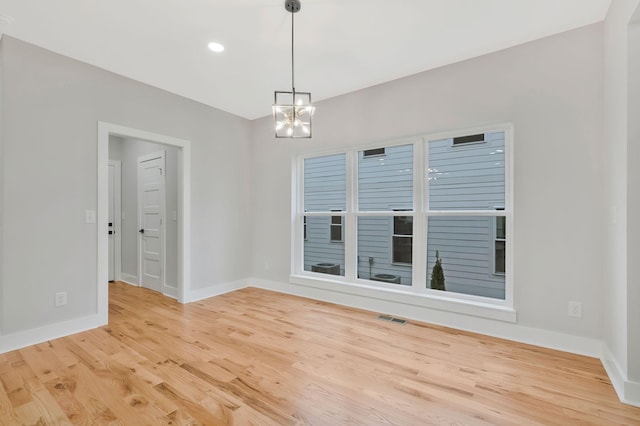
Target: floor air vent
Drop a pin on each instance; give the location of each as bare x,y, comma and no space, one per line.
392,319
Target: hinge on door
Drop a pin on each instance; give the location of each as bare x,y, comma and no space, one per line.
160,168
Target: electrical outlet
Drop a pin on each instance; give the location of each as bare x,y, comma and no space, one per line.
575,309
61,298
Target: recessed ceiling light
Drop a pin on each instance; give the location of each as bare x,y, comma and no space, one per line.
216,47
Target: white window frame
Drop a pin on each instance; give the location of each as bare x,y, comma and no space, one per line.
417,293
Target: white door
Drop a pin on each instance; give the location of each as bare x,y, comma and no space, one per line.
151,206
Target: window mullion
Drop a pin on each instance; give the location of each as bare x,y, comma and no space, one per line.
350,230
419,231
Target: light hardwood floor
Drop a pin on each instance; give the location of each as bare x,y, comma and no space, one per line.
264,358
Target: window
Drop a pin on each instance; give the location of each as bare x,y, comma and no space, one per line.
463,182
382,217
402,239
324,184
335,232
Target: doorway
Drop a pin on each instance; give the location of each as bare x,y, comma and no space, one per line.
182,213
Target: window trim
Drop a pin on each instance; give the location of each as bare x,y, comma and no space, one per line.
417,294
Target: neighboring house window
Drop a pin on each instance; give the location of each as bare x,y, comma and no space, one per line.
373,152
335,231
402,239
462,140
499,244
304,226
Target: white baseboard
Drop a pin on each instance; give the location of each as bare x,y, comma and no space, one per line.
215,290
170,291
627,390
129,279
505,330
21,339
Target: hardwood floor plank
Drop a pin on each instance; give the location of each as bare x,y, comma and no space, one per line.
264,358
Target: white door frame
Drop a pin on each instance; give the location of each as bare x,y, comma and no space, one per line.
117,217
184,206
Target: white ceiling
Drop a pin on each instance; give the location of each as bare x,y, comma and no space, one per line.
341,45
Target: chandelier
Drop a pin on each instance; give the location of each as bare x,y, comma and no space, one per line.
292,111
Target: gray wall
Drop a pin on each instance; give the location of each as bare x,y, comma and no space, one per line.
633,193
551,90
51,108
128,150
2,136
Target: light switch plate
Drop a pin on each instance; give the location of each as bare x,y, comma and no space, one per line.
61,298
575,309
90,216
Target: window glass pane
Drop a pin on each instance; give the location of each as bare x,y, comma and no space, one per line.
500,227
465,245
499,259
336,233
320,254
385,182
325,183
403,225
466,176
336,220
376,251
402,249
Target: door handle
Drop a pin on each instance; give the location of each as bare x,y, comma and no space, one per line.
141,231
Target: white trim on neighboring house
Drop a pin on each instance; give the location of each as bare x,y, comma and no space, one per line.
184,205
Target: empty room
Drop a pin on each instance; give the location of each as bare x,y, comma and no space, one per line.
322,212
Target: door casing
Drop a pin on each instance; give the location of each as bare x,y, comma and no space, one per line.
184,207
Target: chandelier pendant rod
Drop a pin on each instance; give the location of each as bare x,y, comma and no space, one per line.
293,85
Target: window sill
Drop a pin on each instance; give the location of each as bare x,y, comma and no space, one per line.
410,297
